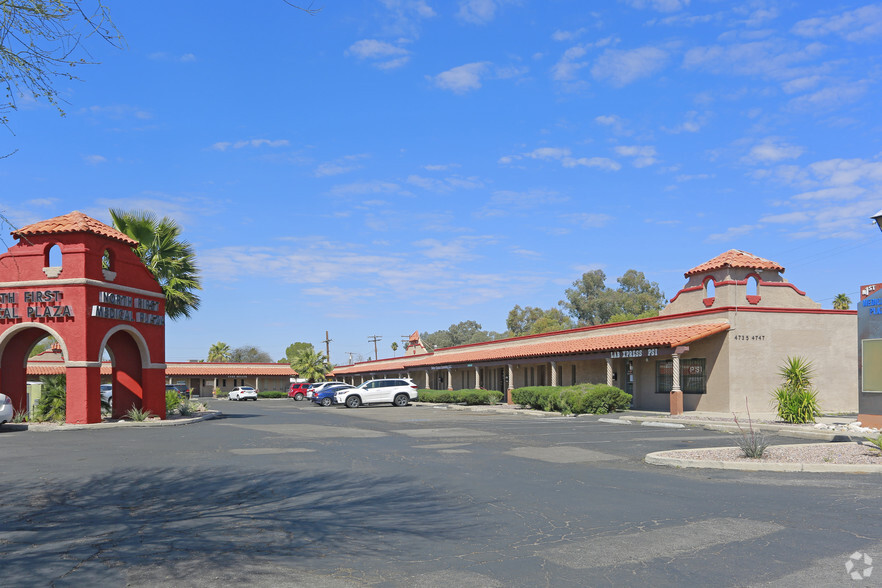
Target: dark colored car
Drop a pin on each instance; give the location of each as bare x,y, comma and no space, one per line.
181,389
297,391
326,396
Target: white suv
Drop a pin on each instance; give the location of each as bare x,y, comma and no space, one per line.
398,391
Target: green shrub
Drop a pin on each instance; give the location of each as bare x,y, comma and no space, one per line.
172,401
579,399
470,397
876,441
272,394
53,400
796,401
138,415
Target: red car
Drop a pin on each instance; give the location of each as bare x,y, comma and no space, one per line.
298,390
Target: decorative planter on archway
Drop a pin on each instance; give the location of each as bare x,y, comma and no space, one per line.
96,297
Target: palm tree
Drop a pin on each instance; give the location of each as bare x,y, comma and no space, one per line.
170,259
53,399
311,365
219,352
842,302
394,348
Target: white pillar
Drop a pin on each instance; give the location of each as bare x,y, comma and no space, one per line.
477,377
553,374
676,372
609,372
449,379
428,384
510,386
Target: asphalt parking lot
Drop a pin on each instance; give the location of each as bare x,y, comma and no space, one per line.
284,493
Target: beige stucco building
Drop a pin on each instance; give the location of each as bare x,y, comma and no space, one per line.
725,334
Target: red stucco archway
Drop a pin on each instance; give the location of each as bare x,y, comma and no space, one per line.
100,298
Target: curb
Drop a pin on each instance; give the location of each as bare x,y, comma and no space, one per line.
670,459
44,428
782,430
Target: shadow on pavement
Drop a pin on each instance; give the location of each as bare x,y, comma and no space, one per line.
82,531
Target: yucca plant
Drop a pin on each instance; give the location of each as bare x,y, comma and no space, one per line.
796,401
876,441
185,409
138,415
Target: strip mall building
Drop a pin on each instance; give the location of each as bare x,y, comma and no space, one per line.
718,344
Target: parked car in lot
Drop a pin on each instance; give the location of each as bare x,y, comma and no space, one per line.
242,393
326,396
107,393
182,390
398,391
319,386
297,391
6,411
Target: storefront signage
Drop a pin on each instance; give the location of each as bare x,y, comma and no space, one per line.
631,353
873,305
126,314
39,304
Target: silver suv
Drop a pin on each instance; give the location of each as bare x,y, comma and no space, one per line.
398,391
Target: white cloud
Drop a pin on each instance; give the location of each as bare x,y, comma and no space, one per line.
94,159
830,97
692,124
588,220
405,17
731,233
769,58
568,35
643,155
621,67
659,5
440,166
477,11
116,112
772,150
339,166
365,188
163,56
603,163
448,184
463,78
379,53
861,24
256,143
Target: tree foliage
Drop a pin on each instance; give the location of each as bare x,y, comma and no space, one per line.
842,302
534,320
295,349
169,258
461,333
591,302
312,365
52,405
41,41
250,354
219,352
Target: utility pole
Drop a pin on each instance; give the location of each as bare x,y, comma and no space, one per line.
327,342
374,339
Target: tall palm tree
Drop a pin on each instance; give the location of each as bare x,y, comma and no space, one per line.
170,259
842,302
219,352
311,365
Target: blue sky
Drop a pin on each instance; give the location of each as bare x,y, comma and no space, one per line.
394,165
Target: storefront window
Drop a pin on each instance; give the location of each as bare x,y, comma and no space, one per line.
692,376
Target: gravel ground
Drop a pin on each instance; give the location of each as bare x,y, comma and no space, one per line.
842,453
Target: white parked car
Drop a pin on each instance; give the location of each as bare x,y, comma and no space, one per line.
6,412
242,393
398,391
107,393
319,386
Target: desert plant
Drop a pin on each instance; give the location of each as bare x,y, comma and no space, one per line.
752,443
876,442
795,400
172,401
20,416
138,415
53,400
185,408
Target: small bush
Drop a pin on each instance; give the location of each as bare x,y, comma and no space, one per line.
172,401
579,399
138,415
185,408
272,394
876,441
470,397
752,443
796,400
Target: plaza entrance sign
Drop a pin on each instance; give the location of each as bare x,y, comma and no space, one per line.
79,281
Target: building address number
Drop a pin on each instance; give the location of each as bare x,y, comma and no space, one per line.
750,337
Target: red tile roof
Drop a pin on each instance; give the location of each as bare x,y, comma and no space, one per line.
669,338
74,222
735,258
